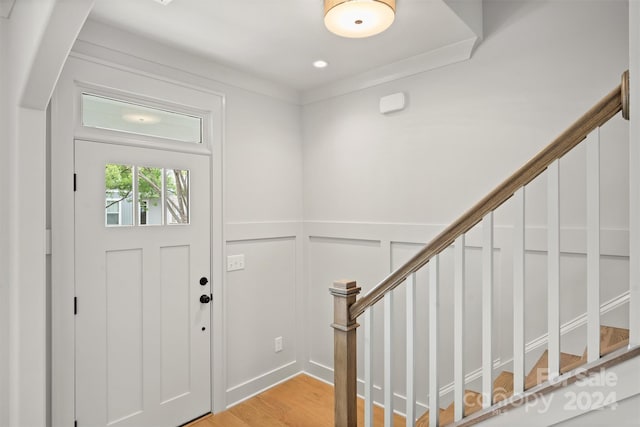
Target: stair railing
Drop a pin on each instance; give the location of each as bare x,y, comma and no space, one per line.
347,308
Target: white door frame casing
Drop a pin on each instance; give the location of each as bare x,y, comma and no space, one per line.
108,79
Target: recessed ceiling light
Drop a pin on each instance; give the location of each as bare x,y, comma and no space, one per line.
320,63
164,2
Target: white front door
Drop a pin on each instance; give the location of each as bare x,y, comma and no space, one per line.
142,227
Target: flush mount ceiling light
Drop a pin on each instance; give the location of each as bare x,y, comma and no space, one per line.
358,18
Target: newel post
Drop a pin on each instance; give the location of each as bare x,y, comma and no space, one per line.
344,350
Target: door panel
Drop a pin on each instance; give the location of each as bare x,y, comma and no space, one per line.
175,350
124,334
142,334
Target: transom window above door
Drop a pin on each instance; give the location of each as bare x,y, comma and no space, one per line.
101,112
141,196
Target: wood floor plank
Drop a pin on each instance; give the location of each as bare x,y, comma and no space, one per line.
301,412
256,413
301,401
226,419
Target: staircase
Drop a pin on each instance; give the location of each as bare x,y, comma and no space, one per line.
611,339
606,346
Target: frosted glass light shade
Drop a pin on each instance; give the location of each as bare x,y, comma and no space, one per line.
358,18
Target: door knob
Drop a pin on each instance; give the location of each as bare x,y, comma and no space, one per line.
204,281
204,299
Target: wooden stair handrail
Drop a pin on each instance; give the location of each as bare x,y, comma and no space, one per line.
617,100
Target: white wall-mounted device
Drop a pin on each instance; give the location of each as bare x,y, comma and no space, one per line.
392,103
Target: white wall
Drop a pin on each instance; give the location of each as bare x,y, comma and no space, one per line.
377,187
634,159
4,231
26,367
263,215
625,413
541,65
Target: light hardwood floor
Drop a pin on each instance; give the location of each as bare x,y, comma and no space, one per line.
299,402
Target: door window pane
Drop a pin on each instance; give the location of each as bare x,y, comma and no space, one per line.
106,113
113,212
161,195
118,195
149,196
177,196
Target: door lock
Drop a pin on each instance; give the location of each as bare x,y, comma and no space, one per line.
204,299
204,281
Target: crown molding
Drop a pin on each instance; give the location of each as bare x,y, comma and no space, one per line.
450,54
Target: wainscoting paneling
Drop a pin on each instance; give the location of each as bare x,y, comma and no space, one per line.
262,302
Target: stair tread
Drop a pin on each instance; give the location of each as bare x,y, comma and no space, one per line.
539,373
423,421
473,403
572,363
612,338
476,402
503,386
447,416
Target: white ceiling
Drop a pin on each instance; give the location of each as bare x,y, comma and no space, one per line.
279,39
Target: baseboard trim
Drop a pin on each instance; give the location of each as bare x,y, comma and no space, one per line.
248,389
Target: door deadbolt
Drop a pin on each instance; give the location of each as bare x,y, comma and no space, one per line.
204,281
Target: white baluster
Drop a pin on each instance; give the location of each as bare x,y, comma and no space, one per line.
518,292
368,367
553,268
458,329
593,245
434,307
388,360
487,310
411,336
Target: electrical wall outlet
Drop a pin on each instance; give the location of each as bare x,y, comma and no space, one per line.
278,344
235,262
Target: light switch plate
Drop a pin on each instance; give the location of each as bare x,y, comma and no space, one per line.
235,262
